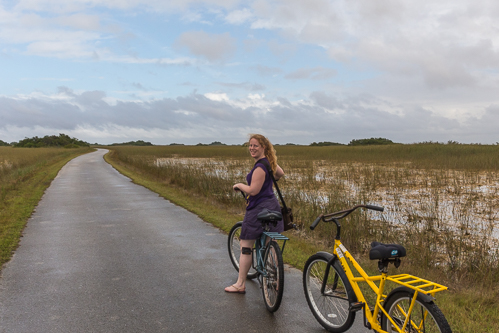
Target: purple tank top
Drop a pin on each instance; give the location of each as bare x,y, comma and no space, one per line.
265,193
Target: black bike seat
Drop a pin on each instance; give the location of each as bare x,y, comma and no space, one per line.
268,215
386,251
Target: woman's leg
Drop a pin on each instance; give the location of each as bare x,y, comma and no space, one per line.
245,261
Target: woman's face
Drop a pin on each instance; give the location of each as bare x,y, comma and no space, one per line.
256,150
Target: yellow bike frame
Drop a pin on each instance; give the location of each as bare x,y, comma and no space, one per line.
417,284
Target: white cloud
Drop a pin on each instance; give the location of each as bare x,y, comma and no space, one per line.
239,16
80,21
217,96
214,47
256,96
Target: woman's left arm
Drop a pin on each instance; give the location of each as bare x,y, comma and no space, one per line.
257,180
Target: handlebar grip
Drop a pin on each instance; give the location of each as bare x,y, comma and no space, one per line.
237,189
379,209
317,220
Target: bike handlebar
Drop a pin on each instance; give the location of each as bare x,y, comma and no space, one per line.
378,208
316,222
341,214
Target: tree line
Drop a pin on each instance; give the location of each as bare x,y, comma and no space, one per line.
357,142
62,140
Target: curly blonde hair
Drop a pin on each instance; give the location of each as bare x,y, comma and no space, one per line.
269,150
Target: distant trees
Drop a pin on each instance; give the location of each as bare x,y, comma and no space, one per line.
3,143
133,143
449,143
325,143
62,140
214,143
358,142
371,141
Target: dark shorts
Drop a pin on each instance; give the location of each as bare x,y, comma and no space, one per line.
252,228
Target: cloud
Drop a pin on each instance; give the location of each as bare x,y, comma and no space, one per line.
213,47
446,44
209,117
71,6
60,36
217,96
239,16
329,103
80,21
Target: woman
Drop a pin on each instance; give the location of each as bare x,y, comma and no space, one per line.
259,196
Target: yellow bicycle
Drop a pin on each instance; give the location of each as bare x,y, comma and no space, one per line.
334,296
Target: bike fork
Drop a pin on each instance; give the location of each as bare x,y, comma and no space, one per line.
326,276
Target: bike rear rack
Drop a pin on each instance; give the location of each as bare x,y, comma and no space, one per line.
276,236
421,285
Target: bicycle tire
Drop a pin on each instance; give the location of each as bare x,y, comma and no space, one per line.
273,280
235,250
331,310
426,315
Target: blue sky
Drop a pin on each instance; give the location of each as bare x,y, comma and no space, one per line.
216,70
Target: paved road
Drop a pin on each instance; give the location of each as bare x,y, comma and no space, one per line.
101,254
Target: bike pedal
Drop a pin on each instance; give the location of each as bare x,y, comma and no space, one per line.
354,307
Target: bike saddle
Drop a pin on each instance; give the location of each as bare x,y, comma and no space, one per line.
386,251
268,215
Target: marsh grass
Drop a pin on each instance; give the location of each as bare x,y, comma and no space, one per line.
440,203
441,200
25,173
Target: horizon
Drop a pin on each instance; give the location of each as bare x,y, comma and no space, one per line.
219,143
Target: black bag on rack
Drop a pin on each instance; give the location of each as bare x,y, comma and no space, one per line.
287,213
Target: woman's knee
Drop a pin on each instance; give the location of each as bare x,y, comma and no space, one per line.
247,246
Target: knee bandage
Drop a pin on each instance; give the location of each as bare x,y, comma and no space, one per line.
246,250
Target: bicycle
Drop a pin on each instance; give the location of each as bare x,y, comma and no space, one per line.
267,264
334,296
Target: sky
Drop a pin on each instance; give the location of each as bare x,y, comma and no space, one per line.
296,71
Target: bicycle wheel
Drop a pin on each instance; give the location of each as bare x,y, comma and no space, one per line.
331,309
273,281
425,317
235,250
